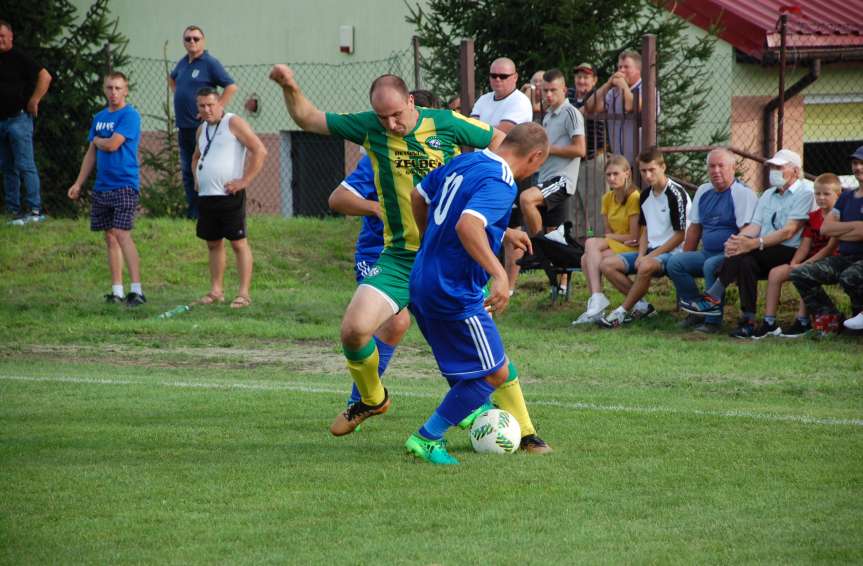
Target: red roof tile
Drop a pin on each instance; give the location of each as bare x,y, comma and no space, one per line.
752,26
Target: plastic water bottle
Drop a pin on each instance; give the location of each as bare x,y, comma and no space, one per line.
175,311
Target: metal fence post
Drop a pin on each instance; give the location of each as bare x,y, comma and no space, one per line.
415,45
467,84
648,91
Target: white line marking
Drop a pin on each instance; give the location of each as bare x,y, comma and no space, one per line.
258,386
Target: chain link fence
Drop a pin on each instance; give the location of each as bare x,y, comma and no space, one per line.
301,169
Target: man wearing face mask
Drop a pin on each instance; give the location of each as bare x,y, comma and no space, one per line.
771,239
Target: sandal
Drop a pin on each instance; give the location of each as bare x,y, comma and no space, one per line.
241,302
210,298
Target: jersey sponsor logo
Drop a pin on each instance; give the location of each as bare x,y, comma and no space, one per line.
434,142
415,162
195,73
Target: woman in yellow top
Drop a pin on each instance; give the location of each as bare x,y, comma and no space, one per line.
620,210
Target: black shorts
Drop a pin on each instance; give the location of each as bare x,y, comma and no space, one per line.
222,217
554,194
515,219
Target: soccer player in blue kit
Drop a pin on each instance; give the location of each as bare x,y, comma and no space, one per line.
463,210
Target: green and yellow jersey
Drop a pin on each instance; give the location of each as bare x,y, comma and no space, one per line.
400,163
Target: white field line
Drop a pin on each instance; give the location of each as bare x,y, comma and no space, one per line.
304,388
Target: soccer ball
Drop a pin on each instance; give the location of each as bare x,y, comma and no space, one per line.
495,432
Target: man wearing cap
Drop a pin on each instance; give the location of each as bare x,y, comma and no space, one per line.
857,166
845,222
771,239
591,174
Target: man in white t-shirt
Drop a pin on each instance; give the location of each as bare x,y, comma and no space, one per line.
505,106
222,174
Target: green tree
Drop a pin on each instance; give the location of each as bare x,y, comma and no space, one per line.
542,34
77,52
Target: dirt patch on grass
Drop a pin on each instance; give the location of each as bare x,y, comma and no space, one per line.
296,357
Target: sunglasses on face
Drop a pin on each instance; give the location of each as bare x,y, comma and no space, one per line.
192,39
500,76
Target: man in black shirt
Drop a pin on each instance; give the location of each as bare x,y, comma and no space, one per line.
23,83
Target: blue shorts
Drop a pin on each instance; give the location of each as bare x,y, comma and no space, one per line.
464,349
630,257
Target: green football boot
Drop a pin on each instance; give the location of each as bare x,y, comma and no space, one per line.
468,420
432,451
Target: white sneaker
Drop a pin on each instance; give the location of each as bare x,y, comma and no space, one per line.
854,323
586,318
618,317
597,303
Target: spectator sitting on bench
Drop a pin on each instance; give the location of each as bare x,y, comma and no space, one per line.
720,209
845,222
771,239
813,247
620,211
664,209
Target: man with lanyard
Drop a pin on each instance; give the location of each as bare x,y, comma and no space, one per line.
197,70
404,143
222,175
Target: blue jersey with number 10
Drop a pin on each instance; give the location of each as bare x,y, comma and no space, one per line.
446,282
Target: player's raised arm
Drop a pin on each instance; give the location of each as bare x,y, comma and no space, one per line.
303,112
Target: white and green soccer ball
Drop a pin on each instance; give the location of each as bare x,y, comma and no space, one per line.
495,432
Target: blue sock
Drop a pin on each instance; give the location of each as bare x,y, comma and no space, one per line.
770,319
385,354
804,320
716,290
461,400
435,427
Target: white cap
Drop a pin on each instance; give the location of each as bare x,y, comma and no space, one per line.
785,157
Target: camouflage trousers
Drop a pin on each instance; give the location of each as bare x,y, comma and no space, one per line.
845,270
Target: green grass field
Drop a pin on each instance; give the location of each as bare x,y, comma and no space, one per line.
203,438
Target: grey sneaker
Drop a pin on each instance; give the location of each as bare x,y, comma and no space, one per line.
705,328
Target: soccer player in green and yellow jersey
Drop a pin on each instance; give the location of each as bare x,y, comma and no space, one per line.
404,143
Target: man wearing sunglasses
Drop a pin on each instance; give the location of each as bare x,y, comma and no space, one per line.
771,239
197,70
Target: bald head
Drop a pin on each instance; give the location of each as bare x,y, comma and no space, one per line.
393,104
502,77
393,82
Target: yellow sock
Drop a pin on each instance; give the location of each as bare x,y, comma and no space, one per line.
510,398
363,365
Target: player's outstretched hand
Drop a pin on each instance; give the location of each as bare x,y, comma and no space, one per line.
518,239
283,76
498,297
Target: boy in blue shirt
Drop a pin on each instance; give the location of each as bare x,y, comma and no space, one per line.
113,151
463,210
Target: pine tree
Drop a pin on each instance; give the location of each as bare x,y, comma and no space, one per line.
77,54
